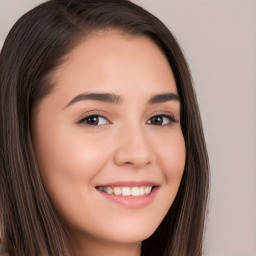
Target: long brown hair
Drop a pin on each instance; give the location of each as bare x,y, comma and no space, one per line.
35,46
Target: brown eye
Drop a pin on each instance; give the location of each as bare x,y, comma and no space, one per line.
157,120
161,120
94,120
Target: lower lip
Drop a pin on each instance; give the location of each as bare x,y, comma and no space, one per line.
131,201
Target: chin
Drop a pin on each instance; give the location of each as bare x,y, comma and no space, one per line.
131,234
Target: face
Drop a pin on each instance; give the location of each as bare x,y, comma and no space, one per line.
108,139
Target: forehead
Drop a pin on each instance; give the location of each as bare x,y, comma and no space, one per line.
116,62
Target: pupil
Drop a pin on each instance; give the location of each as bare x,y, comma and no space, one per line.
157,120
92,120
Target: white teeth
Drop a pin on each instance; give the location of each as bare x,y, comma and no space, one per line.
109,190
127,191
136,191
148,190
117,191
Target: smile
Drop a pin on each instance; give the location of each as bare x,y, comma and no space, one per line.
131,194
127,191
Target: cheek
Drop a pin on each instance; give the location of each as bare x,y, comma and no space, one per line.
65,152
171,154
172,158
68,162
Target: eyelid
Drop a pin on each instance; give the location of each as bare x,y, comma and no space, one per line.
105,115
165,114
99,113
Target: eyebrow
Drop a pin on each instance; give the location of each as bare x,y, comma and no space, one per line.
115,99
161,98
104,97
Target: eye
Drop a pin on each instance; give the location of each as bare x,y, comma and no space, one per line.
94,120
161,120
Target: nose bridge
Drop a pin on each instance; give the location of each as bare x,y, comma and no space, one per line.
133,146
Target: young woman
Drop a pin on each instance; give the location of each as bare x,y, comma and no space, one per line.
102,148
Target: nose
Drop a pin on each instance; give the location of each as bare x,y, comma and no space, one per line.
133,149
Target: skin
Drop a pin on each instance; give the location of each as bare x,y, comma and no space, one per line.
126,145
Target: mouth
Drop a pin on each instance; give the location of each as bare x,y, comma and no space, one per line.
131,194
136,191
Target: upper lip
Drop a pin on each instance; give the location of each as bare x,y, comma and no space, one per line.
129,184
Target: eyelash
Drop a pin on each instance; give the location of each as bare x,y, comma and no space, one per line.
170,118
83,121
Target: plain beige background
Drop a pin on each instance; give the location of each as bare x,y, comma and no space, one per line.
219,41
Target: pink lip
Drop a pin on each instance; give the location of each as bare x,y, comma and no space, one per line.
129,201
